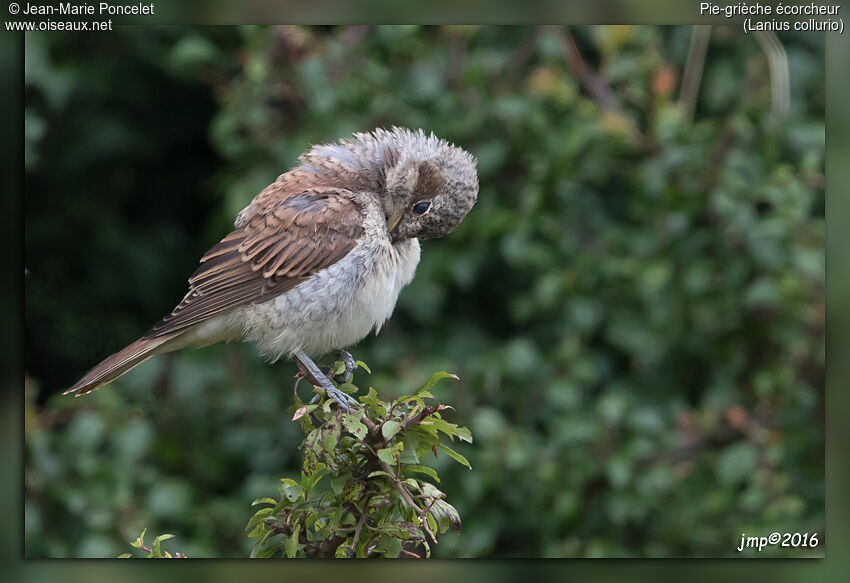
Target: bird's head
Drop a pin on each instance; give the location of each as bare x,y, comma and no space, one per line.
424,184
429,184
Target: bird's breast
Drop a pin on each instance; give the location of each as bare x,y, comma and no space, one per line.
337,306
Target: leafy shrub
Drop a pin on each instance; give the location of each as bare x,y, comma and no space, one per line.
375,500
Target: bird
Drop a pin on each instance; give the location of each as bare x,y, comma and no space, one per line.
318,258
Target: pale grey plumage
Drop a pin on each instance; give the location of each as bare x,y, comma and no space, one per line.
318,258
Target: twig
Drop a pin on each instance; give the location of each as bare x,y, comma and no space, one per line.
352,35
713,168
593,83
457,58
777,64
408,499
715,440
419,416
694,65
358,528
373,428
521,56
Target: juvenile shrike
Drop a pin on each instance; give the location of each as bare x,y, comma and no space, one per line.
318,258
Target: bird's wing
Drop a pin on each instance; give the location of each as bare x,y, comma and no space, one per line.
280,246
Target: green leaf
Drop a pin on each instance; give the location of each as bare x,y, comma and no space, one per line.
292,544
157,551
390,455
291,490
386,456
264,552
435,378
454,455
353,491
389,429
360,548
261,547
352,424
402,529
377,473
347,388
378,501
308,482
338,483
265,547
446,515
419,404
264,501
263,512
336,518
408,456
372,401
389,546
331,431
363,365
259,528
257,519
312,522
433,526
431,491
312,451
342,551
464,434
423,470
139,542
426,432
125,556
449,429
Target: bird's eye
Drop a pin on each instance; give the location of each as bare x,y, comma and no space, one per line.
421,207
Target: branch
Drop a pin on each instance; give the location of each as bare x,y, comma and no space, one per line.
777,63
416,419
594,84
408,499
694,65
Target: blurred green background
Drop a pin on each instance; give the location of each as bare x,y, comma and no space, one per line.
635,305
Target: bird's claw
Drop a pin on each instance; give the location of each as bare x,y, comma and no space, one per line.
345,357
344,400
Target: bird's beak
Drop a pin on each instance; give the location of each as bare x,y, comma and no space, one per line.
392,222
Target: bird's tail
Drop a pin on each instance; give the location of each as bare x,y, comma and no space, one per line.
119,363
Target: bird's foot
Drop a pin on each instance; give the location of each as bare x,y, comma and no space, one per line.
344,400
345,357
312,373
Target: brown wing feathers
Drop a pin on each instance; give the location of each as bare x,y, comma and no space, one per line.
278,248
288,238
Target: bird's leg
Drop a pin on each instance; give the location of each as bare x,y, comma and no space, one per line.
318,379
350,365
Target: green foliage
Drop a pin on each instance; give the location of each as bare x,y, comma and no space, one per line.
635,305
154,552
361,492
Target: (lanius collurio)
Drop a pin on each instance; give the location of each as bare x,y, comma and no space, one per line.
318,258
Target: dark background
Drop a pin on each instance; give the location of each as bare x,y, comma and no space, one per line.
635,305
